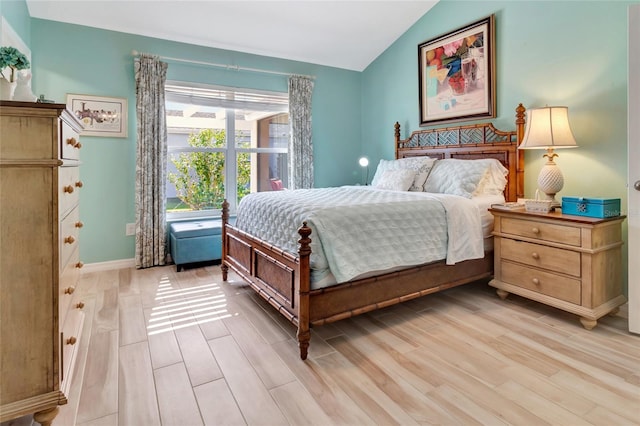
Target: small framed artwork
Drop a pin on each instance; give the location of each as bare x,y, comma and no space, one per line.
456,74
101,115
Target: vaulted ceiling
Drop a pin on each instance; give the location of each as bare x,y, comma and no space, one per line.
347,34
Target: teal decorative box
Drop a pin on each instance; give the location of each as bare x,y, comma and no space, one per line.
592,207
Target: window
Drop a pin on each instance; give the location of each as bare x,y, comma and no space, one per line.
223,143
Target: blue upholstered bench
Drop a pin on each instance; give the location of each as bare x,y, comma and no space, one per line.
195,241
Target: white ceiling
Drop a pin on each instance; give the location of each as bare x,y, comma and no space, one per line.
347,34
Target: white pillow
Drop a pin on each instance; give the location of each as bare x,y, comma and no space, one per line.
494,180
396,180
420,165
459,177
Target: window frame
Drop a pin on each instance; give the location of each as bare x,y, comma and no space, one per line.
230,149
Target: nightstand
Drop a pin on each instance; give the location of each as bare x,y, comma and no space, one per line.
568,262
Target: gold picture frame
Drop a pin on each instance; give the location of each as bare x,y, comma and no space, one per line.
456,74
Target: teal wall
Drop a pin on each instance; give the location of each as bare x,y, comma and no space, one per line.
17,14
548,53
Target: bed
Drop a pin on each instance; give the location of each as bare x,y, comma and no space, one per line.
283,277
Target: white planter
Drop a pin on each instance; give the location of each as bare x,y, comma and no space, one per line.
6,89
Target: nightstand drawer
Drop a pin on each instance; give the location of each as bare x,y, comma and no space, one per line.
559,287
551,258
563,234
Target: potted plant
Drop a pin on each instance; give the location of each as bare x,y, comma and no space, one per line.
11,58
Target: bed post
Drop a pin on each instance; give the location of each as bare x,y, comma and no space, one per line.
396,134
225,220
304,271
520,165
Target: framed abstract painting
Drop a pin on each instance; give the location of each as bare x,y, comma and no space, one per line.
456,74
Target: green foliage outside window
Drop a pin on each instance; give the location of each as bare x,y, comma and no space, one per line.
199,177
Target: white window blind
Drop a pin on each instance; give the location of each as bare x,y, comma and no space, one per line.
225,97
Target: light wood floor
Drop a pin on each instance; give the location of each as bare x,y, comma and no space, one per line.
168,348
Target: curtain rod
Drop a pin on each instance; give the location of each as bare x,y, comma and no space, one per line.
225,66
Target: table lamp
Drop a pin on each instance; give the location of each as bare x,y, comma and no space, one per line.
364,162
548,128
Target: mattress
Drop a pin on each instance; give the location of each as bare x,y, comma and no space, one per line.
359,230
483,202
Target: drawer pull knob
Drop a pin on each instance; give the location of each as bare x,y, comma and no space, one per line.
74,143
71,340
68,189
535,255
69,290
535,230
80,305
69,239
79,184
79,224
536,281
79,265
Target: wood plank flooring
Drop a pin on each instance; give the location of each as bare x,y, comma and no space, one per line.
168,348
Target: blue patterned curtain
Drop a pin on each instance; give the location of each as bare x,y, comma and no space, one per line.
300,145
151,161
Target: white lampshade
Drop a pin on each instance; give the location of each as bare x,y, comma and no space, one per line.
548,128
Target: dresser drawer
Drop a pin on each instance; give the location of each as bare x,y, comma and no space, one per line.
551,258
69,344
70,141
559,287
564,234
68,282
69,184
69,235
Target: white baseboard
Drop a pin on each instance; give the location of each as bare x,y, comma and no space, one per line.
105,266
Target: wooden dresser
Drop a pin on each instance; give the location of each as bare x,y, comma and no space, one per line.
569,262
40,322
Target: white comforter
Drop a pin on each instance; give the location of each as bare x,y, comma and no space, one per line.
358,230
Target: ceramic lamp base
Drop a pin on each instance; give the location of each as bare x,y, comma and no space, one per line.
551,181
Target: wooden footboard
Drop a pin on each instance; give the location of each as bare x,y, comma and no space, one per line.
284,281
280,278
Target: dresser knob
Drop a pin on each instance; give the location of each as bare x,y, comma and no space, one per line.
69,290
79,265
74,143
69,239
536,281
535,255
535,230
71,340
79,184
80,305
68,189
79,224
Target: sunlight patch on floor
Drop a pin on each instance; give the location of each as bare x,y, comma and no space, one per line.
180,308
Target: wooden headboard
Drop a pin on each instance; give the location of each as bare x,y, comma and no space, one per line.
469,142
